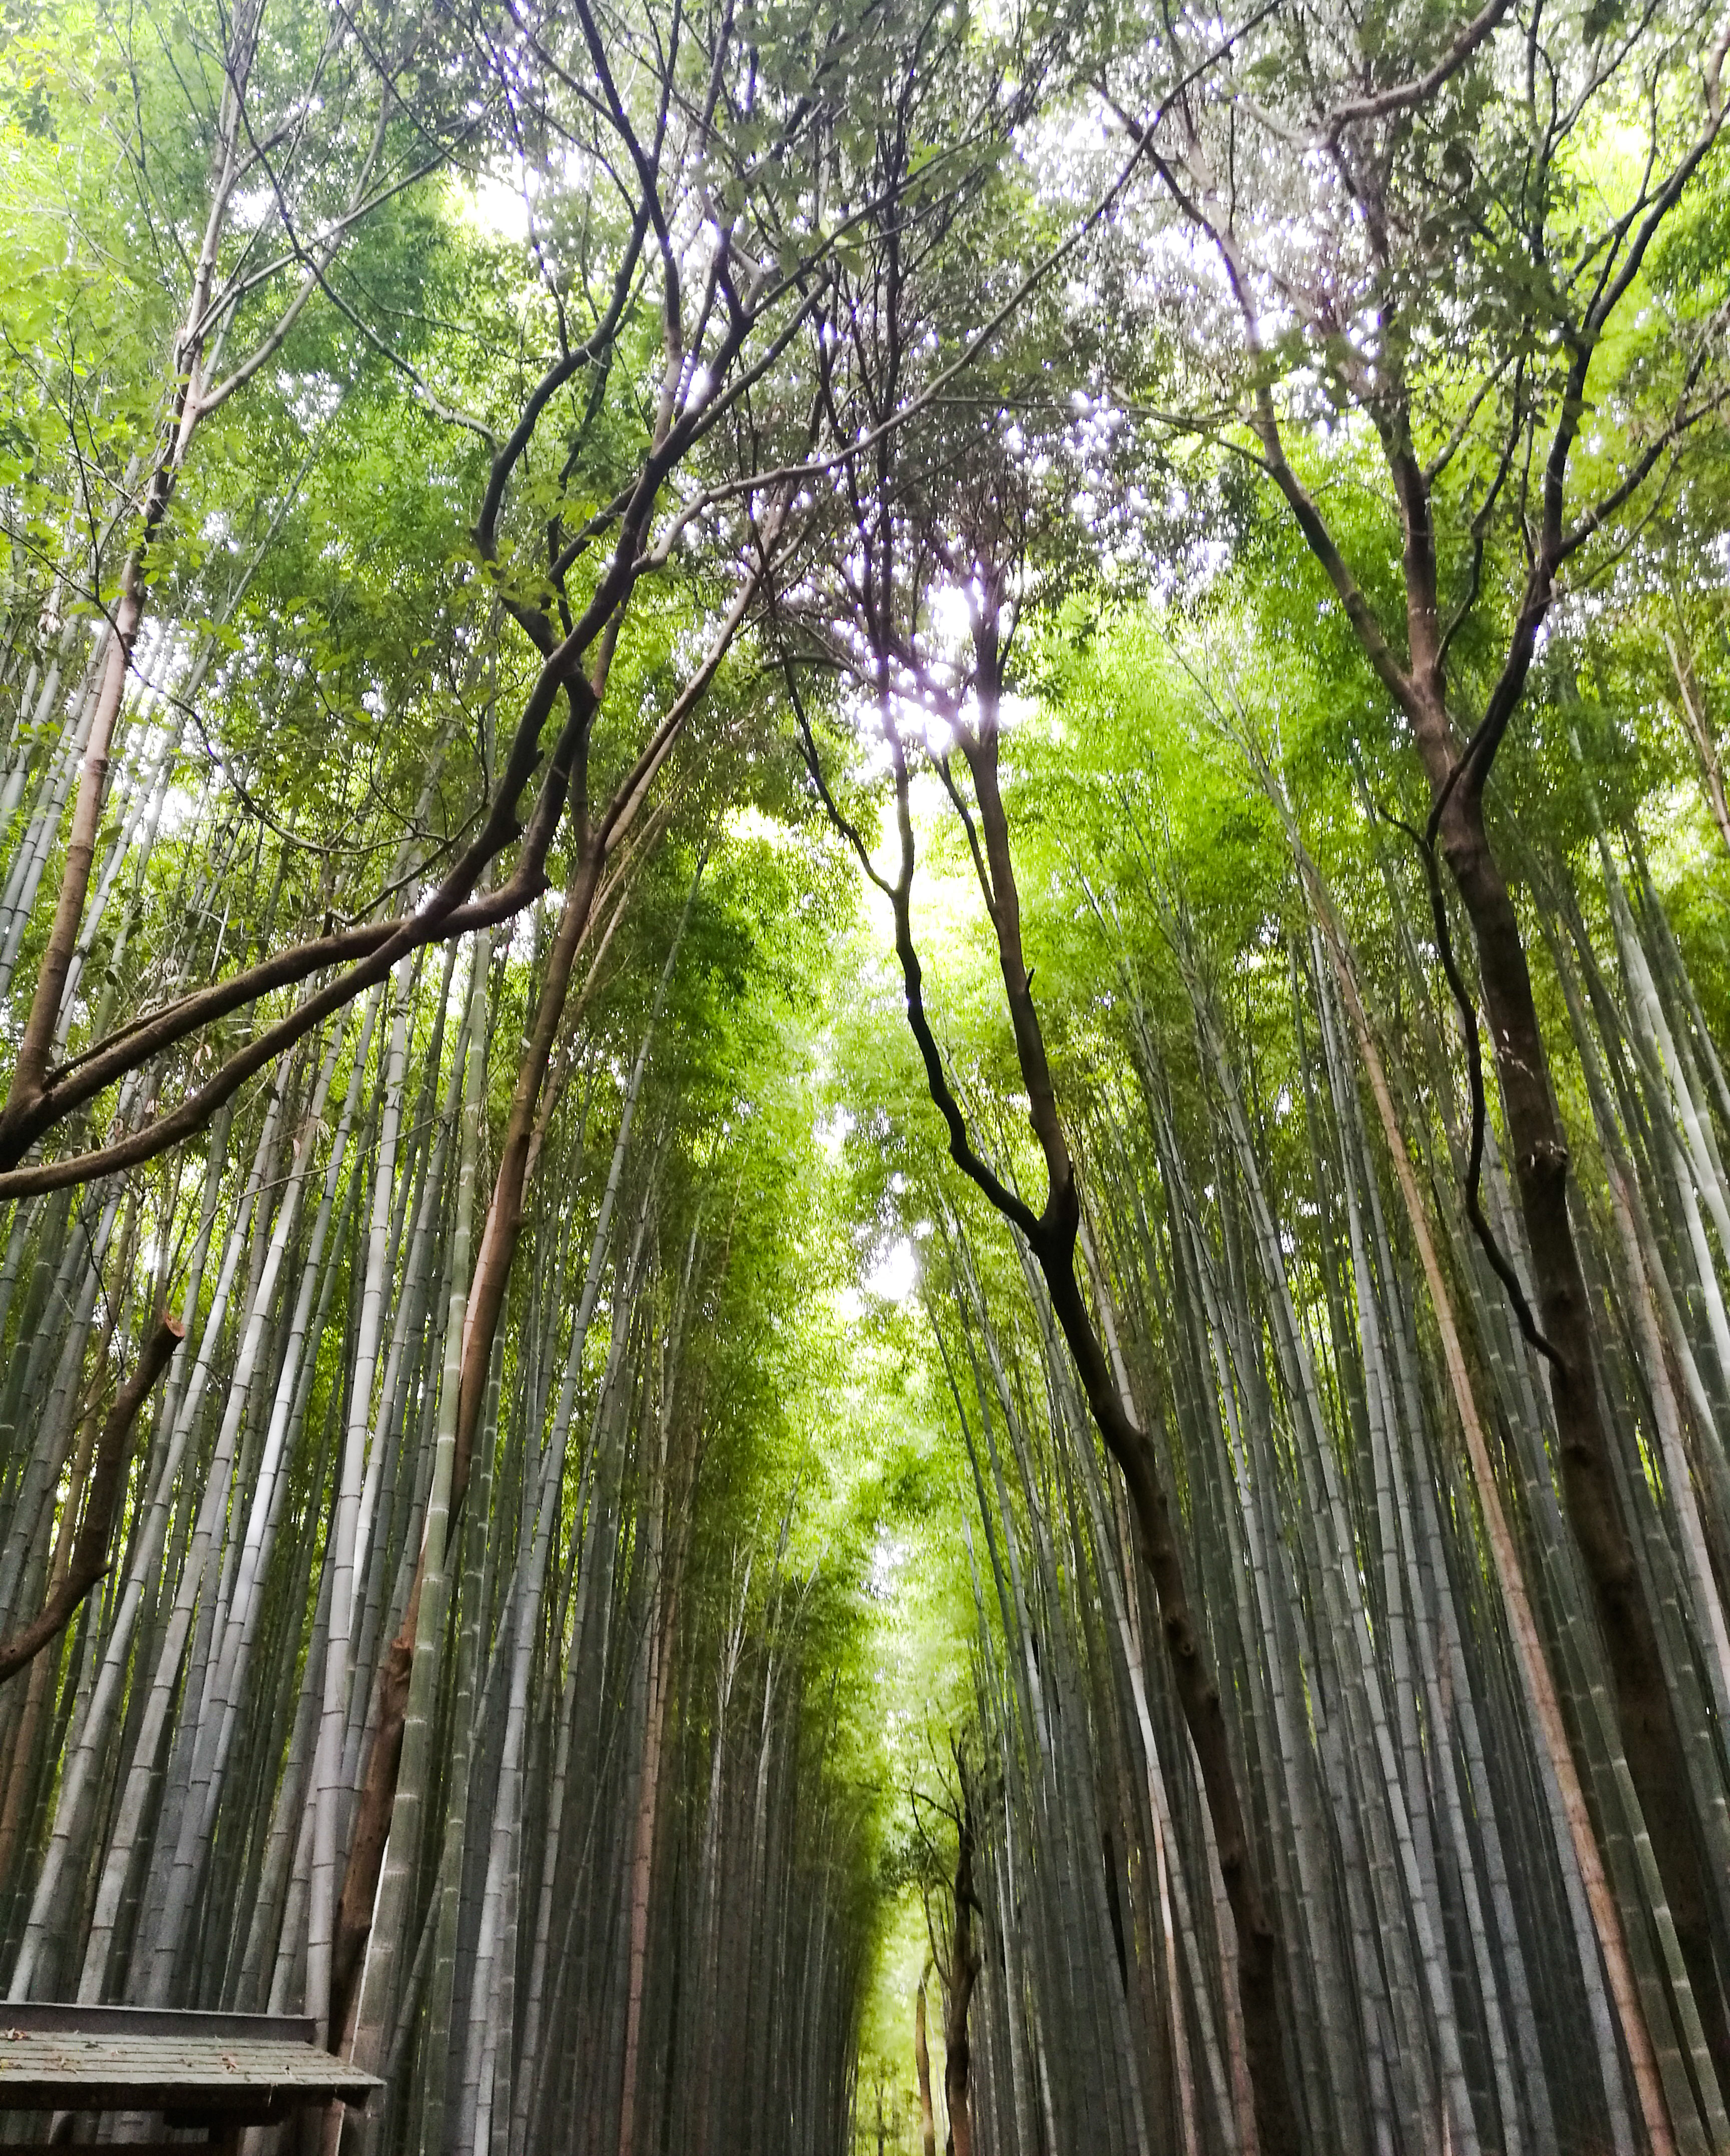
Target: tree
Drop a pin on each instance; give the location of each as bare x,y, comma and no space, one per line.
955,1954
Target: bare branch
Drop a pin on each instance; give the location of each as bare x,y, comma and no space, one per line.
1404,97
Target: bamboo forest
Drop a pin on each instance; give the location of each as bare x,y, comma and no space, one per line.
864,1076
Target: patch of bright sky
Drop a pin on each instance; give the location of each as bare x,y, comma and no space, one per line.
498,205
1610,158
1679,836
181,808
889,1554
894,1277
832,1132
749,822
951,612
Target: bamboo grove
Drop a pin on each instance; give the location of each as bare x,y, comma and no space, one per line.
864,1264
1334,1382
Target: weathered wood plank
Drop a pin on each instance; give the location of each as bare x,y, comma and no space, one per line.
192,2069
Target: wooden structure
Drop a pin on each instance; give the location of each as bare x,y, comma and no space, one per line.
220,2072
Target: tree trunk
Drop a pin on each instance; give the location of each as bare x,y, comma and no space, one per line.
922,2066
1645,1711
958,1996
88,1558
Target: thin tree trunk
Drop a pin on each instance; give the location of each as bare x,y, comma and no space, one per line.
921,2064
88,1558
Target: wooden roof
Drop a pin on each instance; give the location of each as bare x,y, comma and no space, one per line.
118,2058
